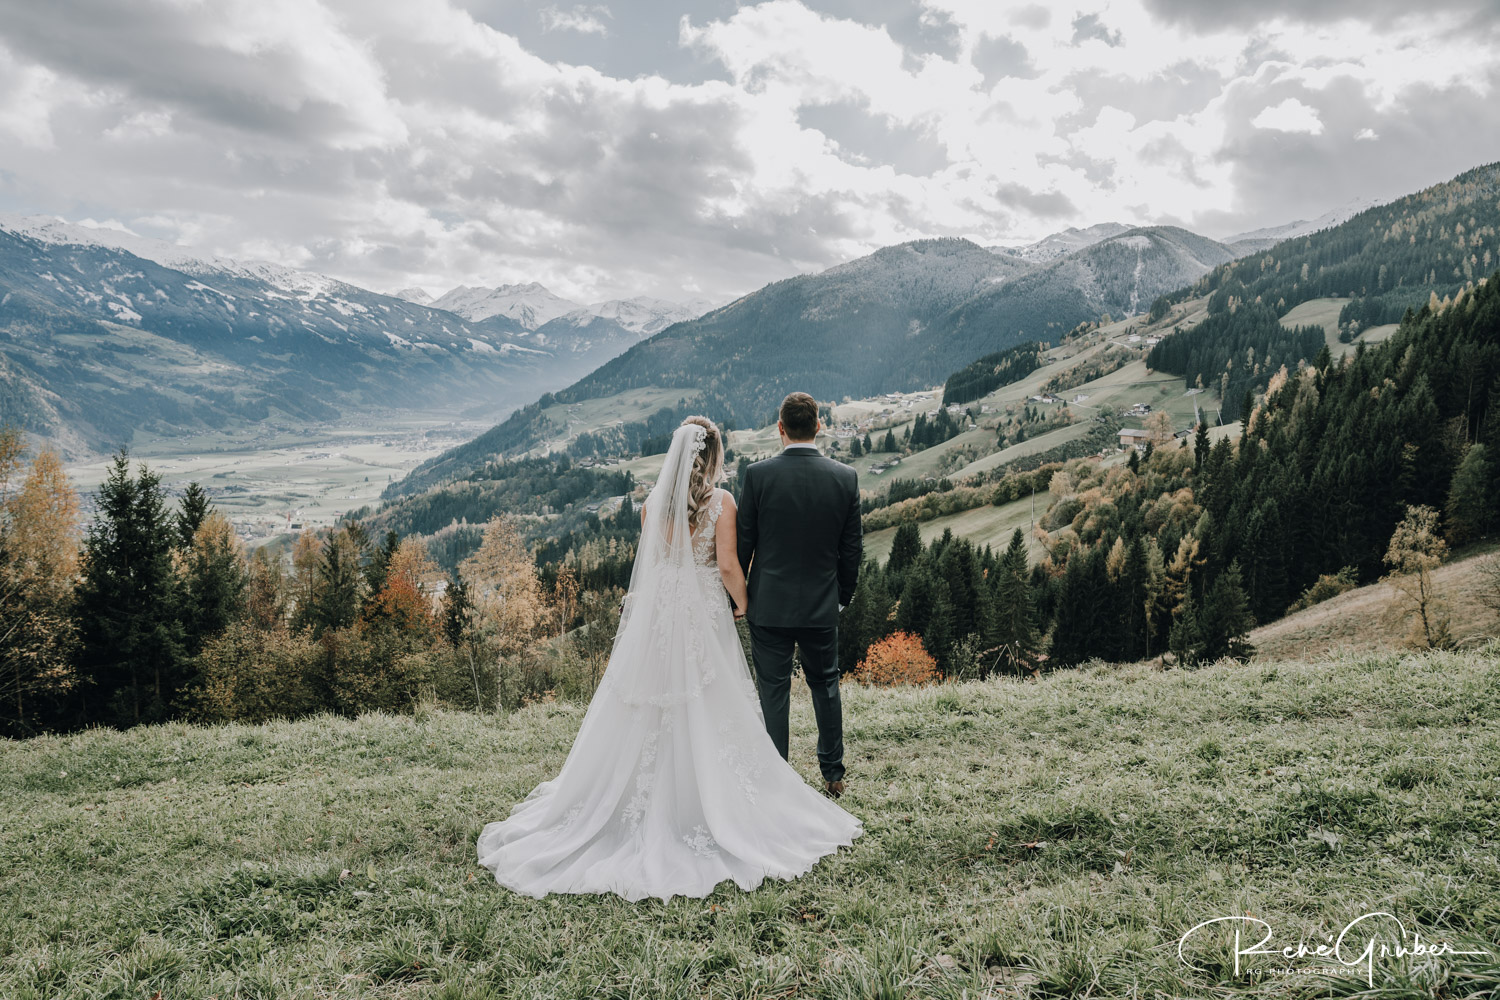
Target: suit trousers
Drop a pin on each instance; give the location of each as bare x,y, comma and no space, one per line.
771,648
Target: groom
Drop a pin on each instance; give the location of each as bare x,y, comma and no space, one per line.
800,545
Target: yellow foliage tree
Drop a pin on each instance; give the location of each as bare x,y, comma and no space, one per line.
39,568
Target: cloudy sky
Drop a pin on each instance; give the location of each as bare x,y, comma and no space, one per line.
705,147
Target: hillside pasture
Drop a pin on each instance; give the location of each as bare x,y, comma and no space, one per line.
1374,616
1055,838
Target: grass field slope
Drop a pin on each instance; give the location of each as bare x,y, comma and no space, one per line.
1046,839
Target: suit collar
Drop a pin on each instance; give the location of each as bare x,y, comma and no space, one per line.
801,449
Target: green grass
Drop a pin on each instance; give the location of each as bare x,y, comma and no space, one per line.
1325,313
1047,839
987,525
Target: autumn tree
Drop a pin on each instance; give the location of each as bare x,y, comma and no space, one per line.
510,606
1416,549
898,659
38,571
267,592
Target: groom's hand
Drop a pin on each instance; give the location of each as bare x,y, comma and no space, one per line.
739,613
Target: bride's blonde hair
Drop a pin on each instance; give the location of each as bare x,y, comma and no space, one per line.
707,469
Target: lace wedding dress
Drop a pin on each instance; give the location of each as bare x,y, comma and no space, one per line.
672,784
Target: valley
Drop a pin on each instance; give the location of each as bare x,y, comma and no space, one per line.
273,483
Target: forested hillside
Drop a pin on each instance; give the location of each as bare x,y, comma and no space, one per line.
1385,260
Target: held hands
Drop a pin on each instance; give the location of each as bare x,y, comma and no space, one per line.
739,612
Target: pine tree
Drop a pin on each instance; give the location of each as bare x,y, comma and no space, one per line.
1200,446
131,658
906,548
337,593
1185,640
1225,624
214,581
192,510
1469,513
889,445
855,448
1015,614
457,612
868,448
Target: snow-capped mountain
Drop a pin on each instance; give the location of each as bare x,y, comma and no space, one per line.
1061,244
645,315
104,332
417,295
532,306
1271,235
528,305
189,260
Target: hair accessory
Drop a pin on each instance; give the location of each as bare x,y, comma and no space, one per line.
700,437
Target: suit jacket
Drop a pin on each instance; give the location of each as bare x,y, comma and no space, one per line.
800,538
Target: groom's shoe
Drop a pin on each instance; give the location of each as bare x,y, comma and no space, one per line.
834,788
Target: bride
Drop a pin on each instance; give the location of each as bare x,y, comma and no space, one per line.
672,784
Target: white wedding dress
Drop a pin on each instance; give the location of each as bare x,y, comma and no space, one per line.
672,784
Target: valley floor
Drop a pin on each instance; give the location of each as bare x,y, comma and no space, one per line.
1053,838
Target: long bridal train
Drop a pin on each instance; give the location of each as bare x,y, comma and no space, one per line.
672,784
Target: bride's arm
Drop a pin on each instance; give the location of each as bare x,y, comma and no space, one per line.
726,550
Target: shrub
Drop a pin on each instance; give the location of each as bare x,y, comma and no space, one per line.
1328,585
248,674
895,660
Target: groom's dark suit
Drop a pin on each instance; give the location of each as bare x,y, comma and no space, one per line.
800,543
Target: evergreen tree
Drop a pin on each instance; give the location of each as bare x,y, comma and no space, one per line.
1015,613
193,508
889,445
131,658
336,597
1469,513
855,449
906,548
215,580
1225,624
868,447
1200,446
1185,640
457,613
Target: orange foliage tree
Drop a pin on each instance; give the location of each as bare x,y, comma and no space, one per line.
897,659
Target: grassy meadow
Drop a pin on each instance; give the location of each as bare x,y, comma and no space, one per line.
1045,839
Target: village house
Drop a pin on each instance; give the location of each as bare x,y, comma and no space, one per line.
1134,437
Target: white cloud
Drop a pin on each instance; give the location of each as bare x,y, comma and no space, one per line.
405,142
1291,115
582,19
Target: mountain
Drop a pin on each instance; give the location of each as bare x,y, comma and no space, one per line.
1257,240
902,318
1066,242
1424,248
873,323
417,295
1118,276
646,315
532,306
104,333
528,305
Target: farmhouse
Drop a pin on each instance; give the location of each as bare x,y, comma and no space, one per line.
1134,437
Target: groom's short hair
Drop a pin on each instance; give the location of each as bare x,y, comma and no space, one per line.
799,416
